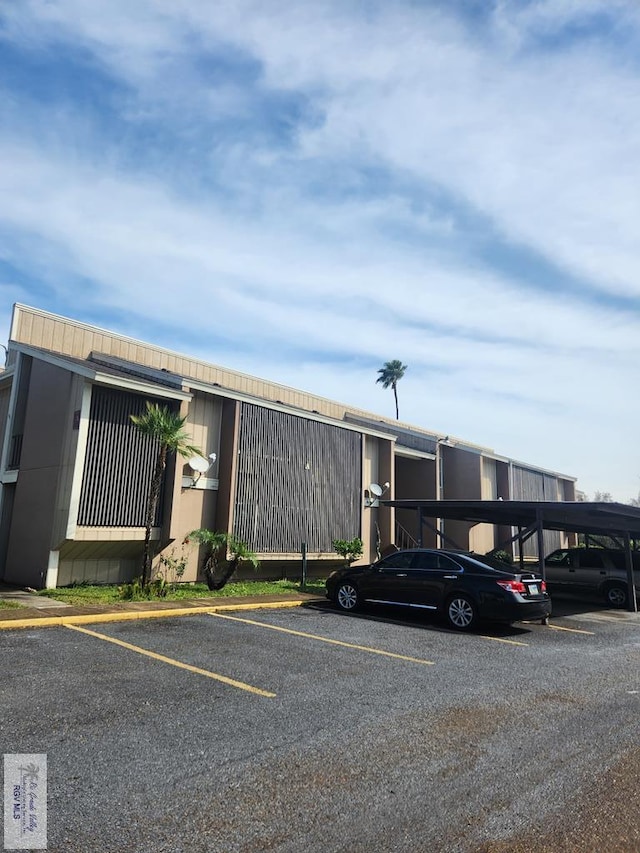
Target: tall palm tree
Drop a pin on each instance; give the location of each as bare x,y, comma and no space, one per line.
166,427
390,374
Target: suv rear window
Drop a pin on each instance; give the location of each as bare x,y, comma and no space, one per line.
620,562
618,559
558,558
591,559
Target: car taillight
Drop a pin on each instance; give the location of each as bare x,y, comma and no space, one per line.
512,586
543,586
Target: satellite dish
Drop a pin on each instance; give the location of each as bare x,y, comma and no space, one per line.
199,464
376,490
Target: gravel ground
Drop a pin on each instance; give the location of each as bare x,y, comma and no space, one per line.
523,739
603,817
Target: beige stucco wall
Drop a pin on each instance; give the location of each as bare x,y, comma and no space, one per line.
212,426
387,474
370,514
482,536
377,467
203,426
195,509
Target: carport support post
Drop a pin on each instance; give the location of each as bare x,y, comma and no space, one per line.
520,547
303,581
633,603
543,570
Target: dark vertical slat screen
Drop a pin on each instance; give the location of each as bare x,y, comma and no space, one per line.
119,463
535,486
297,481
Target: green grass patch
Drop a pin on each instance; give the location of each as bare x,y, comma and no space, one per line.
110,593
9,605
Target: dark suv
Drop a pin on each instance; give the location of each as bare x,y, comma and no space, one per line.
601,571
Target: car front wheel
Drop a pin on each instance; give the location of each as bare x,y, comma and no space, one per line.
461,613
616,595
347,597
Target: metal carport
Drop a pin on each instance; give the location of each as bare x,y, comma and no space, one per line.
615,520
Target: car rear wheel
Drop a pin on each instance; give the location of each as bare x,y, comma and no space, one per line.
616,595
347,597
461,613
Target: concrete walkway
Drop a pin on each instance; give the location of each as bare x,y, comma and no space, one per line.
29,599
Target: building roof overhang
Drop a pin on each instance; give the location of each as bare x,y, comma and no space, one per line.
103,374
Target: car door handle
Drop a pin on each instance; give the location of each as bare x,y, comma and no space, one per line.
572,570
401,575
450,577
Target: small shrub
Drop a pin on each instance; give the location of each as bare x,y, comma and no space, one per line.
160,588
503,556
171,568
349,549
133,591
217,568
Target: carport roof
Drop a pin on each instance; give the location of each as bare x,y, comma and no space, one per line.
577,517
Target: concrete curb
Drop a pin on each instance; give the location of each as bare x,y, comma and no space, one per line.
129,615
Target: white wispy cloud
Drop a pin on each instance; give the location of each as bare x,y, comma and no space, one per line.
342,184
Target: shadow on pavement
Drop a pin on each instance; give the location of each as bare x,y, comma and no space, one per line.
418,619
576,604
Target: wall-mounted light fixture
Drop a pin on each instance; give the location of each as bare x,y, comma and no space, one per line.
199,466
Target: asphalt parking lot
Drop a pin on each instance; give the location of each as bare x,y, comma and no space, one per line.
311,730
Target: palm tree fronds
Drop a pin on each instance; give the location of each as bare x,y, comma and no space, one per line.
390,374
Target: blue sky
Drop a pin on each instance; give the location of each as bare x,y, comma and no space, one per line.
303,191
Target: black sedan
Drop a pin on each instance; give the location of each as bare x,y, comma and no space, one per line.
462,589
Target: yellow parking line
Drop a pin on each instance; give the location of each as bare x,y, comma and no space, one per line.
502,640
572,630
223,678
322,639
